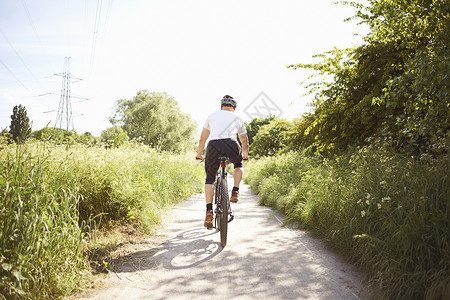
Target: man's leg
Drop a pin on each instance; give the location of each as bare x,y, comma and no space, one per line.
209,194
237,176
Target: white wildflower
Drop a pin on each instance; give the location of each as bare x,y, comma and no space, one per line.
385,199
382,182
368,196
363,213
379,205
359,201
367,202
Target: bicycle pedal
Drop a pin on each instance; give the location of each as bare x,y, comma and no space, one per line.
231,217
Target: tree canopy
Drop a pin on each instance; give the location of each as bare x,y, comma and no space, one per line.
395,85
157,119
254,125
270,138
20,128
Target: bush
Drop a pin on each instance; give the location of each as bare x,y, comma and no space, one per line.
114,136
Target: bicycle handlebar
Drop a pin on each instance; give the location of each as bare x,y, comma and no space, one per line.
202,159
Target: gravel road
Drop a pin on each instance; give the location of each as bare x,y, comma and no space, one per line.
262,260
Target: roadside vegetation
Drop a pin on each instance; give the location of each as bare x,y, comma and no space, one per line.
388,212
64,194
368,168
55,196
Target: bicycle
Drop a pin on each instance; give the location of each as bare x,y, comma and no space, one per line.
223,212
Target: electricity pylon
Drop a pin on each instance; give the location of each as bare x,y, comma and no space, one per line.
64,116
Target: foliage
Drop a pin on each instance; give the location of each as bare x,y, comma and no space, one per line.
271,138
41,242
5,136
55,134
114,136
388,212
87,139
20,128
62,136
299,136
254,126
52,195
157,119
396,84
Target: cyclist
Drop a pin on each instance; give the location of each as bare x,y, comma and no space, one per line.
222,127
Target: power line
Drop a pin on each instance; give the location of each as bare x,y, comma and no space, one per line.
18,80
20,58
25,6
95,34
108,15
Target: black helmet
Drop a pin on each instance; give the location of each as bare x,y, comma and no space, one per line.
228,101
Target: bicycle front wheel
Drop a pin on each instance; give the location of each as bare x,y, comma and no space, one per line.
224,205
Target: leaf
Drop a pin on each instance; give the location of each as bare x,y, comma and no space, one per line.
7,267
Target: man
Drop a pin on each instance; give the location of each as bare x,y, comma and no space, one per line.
222,127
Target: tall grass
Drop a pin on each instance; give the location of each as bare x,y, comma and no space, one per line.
391,214
52,194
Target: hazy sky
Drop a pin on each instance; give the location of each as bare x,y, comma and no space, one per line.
197,51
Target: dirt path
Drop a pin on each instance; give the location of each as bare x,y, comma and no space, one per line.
262,260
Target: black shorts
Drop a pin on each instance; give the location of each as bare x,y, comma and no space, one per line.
216,148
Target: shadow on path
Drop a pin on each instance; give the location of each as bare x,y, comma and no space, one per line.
188,249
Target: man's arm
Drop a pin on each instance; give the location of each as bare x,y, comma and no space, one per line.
201,143
244,142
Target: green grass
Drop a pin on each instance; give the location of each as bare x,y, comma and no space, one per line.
53,196
391,214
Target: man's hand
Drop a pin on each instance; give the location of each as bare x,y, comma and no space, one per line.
200,157
245,158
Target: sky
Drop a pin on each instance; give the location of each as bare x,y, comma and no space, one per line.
195,50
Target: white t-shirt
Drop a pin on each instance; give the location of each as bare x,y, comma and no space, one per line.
224,124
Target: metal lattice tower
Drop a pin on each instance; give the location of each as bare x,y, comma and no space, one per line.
64,117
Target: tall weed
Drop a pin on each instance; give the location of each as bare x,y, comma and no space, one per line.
390,213
52,195
41,242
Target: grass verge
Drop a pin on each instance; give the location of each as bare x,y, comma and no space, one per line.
53,197
391,214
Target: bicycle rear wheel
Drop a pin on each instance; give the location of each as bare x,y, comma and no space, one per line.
217,197
224,202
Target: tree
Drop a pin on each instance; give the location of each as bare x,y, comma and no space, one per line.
254,126
157,119
395,85
271,138
298,137
114,136
20,128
